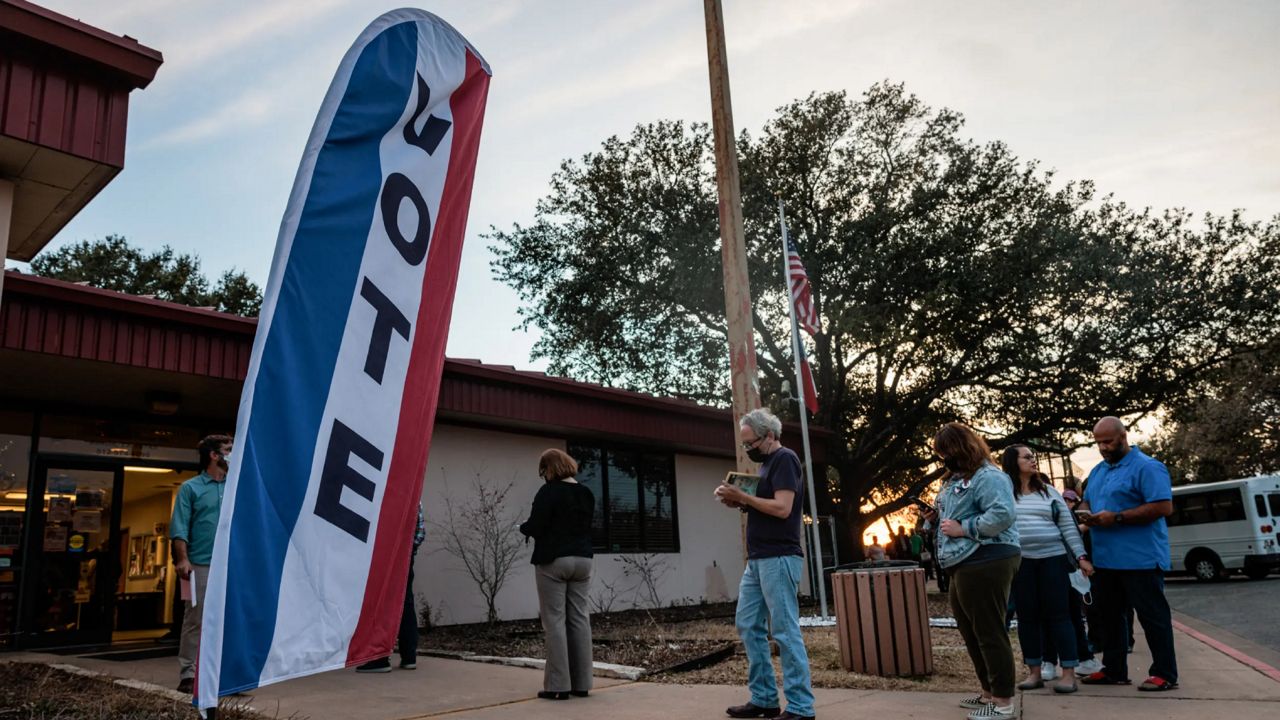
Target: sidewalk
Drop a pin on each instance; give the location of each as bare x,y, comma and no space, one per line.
1213,684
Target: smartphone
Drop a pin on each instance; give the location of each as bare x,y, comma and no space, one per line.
1082,516
924,505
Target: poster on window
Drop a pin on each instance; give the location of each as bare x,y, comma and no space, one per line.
87,521
59,510
55,538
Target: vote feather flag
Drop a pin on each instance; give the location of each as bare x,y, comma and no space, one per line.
336,414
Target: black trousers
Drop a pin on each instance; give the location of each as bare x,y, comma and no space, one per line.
408,635
1114,591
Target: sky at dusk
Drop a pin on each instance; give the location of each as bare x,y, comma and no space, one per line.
1163,103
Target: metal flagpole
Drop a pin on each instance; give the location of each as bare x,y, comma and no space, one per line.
804,411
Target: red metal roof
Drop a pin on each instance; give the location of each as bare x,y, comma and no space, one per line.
41,315
64,107
122,58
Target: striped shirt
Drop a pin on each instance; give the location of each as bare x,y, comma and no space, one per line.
1039,535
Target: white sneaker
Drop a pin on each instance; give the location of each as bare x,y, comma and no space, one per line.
992,711
1049,671
1089,667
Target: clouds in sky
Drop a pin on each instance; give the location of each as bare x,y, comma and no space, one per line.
1164,103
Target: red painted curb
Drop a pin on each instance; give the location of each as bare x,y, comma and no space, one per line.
1230,652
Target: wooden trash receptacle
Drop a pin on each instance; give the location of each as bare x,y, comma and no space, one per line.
882,621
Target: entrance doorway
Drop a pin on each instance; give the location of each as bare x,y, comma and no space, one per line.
97,551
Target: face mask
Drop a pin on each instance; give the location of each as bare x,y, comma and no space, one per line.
1081,585
757,455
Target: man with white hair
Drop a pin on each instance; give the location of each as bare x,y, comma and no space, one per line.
1127,497
767,596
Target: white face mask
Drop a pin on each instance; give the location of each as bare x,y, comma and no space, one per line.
1081,585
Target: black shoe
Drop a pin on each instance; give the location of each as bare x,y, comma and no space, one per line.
752,711
381,665
185,685
788,715
578,693
549,695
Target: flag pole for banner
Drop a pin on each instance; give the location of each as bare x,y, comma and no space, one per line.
816,542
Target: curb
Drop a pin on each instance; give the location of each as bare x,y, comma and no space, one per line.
598,669
1229,651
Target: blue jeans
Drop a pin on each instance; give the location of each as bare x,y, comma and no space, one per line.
767,595
1040,592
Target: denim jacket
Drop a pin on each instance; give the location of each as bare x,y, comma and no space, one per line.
984,507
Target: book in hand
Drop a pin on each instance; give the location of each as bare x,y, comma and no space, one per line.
746,482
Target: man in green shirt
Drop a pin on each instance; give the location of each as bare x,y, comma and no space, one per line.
192,529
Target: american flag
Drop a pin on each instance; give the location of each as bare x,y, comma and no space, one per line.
801,296
806,317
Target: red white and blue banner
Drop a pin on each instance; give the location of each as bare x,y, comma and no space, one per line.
336,416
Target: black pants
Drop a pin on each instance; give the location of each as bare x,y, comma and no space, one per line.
408,636
1114,592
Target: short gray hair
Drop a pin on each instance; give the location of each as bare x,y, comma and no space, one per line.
762,422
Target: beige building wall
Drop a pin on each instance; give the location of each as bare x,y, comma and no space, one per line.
708,566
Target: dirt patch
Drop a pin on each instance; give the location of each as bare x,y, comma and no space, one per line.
660,639
39,692
652,640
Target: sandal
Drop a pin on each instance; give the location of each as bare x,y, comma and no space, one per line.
1157,684
1102,678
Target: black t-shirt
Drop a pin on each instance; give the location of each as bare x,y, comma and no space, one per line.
769,536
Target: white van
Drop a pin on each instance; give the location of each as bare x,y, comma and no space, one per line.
1223,527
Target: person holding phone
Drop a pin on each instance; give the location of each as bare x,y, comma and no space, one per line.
1127,498
767,599
978,546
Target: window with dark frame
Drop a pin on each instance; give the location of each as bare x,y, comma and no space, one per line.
1208,507
635,498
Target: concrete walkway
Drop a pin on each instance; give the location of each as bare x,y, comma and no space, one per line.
1213,684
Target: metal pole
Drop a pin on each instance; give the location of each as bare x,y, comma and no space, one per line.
804,411
733,249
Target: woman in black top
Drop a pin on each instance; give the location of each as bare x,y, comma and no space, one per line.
560,525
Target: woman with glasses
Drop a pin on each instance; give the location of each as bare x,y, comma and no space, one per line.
1041,590
978,546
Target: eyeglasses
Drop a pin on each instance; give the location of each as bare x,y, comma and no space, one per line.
753,444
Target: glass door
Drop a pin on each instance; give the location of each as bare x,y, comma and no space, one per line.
69,595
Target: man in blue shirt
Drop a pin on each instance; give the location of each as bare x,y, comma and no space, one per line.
192,529
767,595
1127,498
